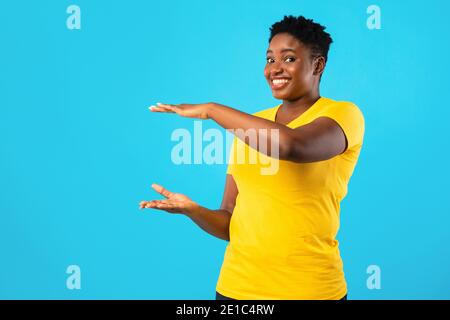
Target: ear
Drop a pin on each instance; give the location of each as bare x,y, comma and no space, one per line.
319,65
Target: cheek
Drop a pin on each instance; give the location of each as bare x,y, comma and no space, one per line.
300,73
296,74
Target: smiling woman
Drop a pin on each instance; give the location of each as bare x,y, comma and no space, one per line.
282,227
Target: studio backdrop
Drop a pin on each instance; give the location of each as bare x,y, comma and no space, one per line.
79,148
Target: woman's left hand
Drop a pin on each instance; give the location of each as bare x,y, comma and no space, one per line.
199,111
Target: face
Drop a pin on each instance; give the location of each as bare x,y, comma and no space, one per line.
290,69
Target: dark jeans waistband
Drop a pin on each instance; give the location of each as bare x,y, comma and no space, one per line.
221,297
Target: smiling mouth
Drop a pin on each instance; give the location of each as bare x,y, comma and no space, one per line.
277,84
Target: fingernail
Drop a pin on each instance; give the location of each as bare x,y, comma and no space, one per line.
158,103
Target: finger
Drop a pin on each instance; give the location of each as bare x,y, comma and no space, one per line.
160,109
161,190
147,204
171,107
169,205
161,204
170,202
165,207
142,204
160,104
150,204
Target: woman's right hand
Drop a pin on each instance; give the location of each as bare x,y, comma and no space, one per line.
174,202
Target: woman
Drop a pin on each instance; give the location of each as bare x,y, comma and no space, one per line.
282,227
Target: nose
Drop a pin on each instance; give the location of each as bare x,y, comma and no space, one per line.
275,69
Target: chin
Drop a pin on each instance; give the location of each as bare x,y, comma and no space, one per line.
280,96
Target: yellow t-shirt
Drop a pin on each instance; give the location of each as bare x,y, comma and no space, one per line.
283,228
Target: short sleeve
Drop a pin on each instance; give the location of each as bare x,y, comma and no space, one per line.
350,119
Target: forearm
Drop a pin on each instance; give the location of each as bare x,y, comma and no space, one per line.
230,119
215,222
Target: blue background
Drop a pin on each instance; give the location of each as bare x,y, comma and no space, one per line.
79,149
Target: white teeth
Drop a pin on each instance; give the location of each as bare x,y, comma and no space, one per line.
279,81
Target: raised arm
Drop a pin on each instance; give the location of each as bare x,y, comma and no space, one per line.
319,140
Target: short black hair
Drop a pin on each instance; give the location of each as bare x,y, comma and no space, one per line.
308,32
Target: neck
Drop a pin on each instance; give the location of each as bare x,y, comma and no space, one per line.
302,102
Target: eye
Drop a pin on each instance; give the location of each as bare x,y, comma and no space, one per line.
288,59
292,58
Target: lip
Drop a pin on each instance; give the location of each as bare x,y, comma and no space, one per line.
279,86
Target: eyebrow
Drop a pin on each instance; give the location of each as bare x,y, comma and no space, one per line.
282,50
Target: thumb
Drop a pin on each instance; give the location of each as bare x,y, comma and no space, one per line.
160,189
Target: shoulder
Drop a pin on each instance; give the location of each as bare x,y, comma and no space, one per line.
348,116
343,107
266,113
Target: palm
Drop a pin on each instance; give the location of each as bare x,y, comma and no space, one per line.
174,202
198,111
178,197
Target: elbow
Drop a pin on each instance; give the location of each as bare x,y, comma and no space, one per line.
291,149
225,235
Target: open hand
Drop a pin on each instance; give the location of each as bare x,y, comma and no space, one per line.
174,202
199,111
